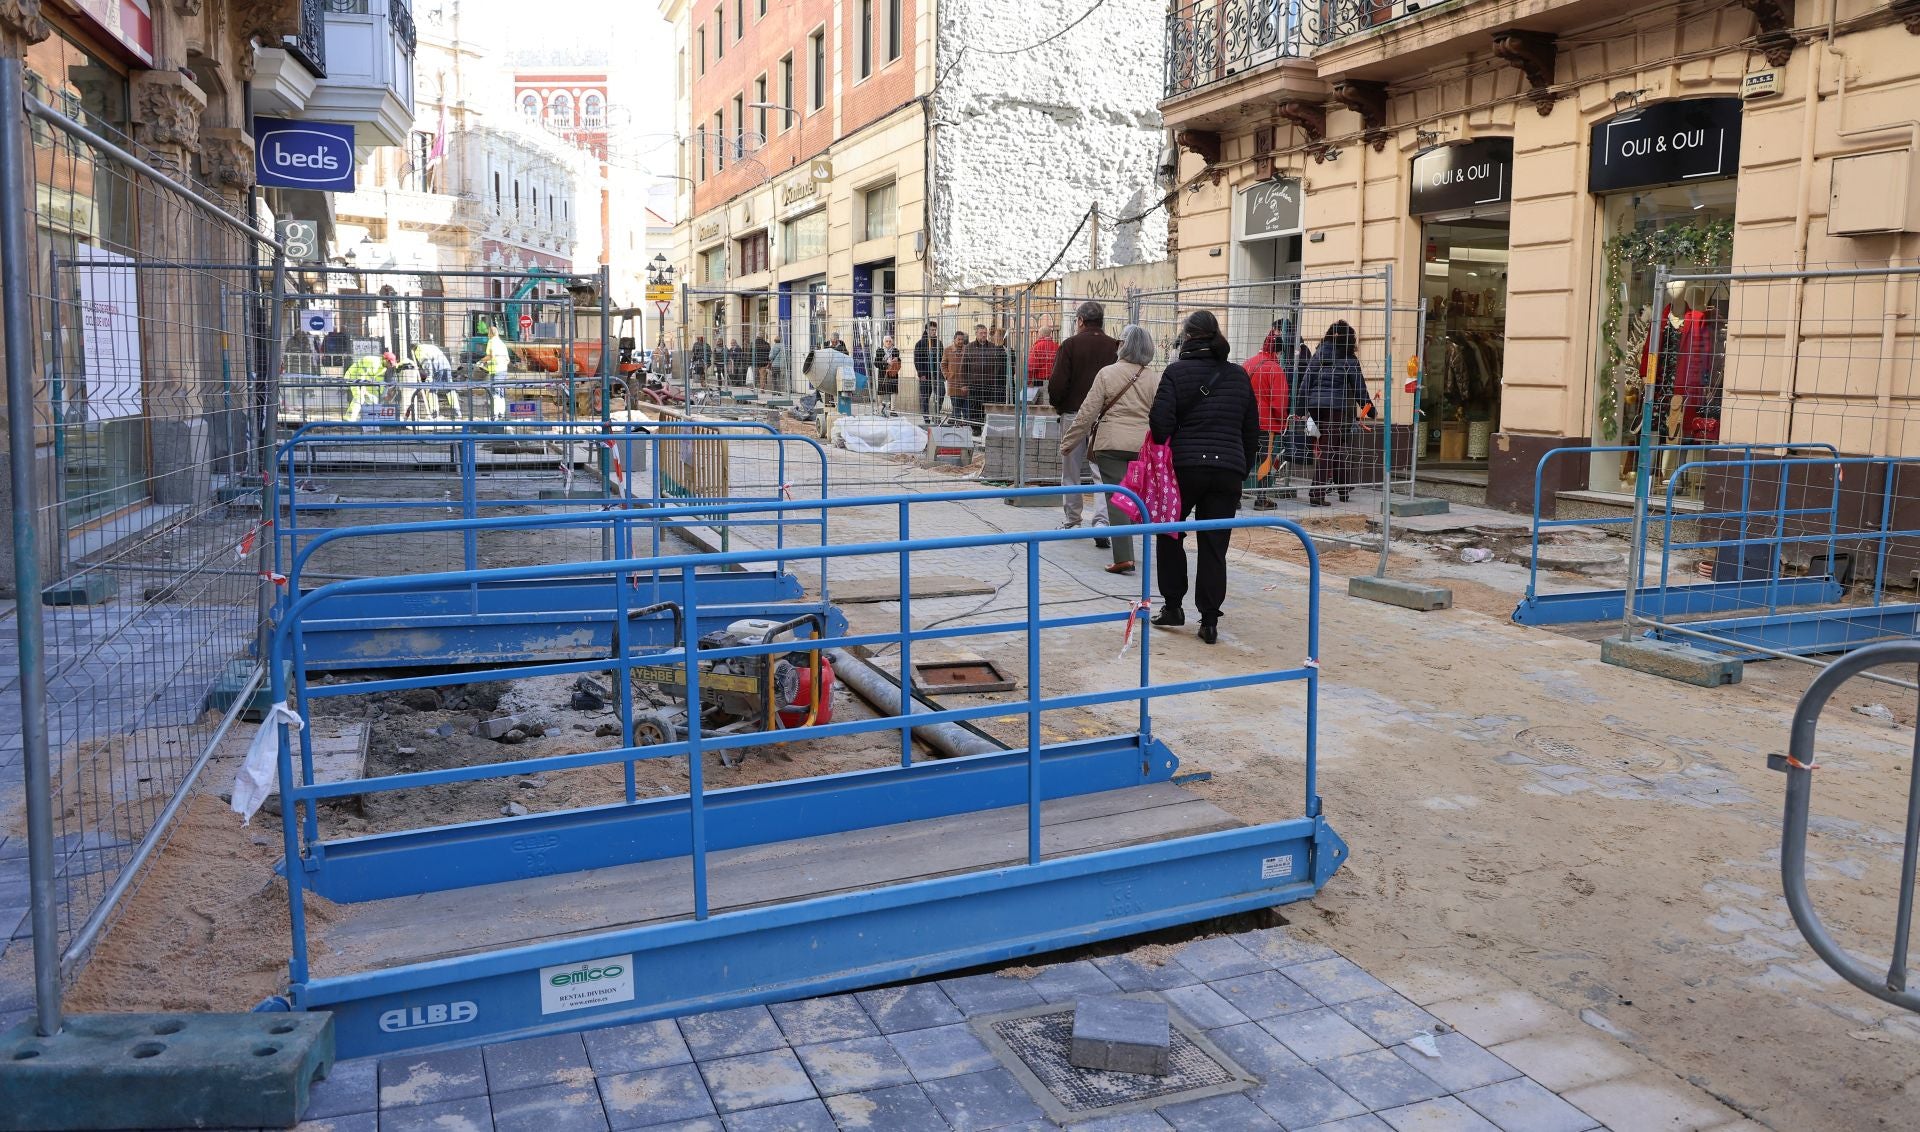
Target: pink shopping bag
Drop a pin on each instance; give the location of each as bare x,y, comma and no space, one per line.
1150,474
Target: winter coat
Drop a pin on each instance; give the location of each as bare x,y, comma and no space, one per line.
762,353
926,356
984,371
1333,386
953,369
1040,361
1205,409
886,374
1269,379
1075,364
1118,406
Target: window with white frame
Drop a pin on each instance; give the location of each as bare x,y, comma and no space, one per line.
877,212
593,112
560,110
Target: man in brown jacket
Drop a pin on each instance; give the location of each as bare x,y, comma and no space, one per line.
1079,358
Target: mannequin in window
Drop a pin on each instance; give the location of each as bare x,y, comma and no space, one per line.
1628,378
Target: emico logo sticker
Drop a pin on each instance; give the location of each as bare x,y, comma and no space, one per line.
303,155
577,986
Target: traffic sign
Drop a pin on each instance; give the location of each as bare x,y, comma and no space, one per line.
526,323
317,321
659,292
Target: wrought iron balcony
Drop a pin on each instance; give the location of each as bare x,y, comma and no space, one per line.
1211,40
1336,19
309,44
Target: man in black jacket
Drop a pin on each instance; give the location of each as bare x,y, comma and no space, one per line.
926,370
1205,408
1076,363
983,371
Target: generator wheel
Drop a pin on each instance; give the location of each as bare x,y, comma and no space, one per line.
653,728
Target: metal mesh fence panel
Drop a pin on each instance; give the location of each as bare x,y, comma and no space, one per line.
1768,421
139,400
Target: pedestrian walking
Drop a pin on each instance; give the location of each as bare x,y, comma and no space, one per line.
1112,424
927,371
1336,400
1040,358
953,374
1076,363
762,359
1269,377
886,370
777,361
1205,409
699,357
736,363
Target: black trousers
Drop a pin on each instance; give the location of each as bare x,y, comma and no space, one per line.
1205,493
1337,463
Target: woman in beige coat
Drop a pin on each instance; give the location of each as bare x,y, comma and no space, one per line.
1115,414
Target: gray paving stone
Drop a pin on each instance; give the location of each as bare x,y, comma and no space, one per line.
1221,957
1365,1123
469,1114
1521,1105
1264,994
1229,1113
1069,981
943,1051
554,1060
348,1122
979,1101
1200,1005
1446,1114
730,1033
651,1097
1303,1097
1317,1035
854,1065
550,1108
813,1020
1131,1122
350,1087
796,1116
1255,1050
1380,1080
918,1007
1130,975
902,1108
430,1078
756,1080
641,1045
1462,1064
704,1124
1281,948
1388,1018
990,994
1336,980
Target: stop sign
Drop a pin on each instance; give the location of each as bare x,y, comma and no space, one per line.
526,323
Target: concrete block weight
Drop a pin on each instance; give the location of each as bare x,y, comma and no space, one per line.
1121,1035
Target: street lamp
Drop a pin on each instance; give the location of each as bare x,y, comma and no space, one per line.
659,271
787,110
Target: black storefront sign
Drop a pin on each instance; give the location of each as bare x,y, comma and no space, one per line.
1270,208
1475,174
1664,144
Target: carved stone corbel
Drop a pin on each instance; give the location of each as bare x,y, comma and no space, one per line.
269,21
1369,100
21,25
187,7
1534,53
1205,143
166,116
1909,13
1773,18
227,155
1310,117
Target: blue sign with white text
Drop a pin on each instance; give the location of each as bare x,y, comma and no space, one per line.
303,155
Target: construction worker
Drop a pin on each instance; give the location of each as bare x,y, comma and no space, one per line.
437,372
495,366
366,378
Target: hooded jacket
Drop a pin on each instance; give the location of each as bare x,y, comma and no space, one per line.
1205,408
1269,377
1333,386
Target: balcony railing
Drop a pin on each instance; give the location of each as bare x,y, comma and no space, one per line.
310,45
1210,40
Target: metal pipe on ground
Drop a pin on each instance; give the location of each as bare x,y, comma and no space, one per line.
951,740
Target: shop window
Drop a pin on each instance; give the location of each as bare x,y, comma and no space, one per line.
1685,228
1463,282
805,237
713,265
878,212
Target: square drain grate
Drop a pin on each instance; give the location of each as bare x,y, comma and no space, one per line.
1034,1044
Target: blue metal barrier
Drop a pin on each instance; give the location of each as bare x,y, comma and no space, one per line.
1539,608
706,957
1764,630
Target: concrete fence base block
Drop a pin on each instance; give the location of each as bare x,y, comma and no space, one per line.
1402,508
1407,595
1673,661
163,1071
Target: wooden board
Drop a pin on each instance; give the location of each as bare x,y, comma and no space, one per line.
389,933
867,591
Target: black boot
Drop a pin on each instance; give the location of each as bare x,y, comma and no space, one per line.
1169,617
1210,632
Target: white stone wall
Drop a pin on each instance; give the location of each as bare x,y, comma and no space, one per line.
1025,143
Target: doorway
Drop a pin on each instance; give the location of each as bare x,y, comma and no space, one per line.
1463,285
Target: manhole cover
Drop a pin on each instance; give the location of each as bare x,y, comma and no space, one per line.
1610,749
1034,1044
952,677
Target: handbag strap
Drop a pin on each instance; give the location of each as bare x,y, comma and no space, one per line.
1094,432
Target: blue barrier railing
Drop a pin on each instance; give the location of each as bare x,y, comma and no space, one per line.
1540,523
305,849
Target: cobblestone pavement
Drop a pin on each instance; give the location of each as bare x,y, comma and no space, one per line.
1328,1048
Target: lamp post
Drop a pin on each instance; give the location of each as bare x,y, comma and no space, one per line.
659,274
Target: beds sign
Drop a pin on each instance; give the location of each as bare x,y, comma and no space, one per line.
303,155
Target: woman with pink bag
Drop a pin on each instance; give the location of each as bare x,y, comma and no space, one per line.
1113,418
1206,412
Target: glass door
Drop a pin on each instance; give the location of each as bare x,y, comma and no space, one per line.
1463,282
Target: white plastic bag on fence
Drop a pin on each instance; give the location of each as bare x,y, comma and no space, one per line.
889,435
259,775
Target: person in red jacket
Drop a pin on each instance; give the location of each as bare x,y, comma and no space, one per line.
1040,357
1270,393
